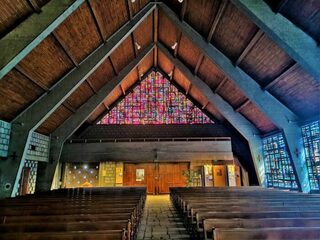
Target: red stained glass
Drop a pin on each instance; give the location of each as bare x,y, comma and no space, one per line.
155,101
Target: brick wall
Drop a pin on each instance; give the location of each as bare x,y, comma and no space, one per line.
38,149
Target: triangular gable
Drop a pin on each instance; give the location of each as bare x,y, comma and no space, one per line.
155,101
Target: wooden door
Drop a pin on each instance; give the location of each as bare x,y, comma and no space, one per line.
171,175
219,176
140,174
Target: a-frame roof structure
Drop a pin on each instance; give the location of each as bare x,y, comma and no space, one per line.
252,64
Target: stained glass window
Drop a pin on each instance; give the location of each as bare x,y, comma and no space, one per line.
155,101
311,143
278,164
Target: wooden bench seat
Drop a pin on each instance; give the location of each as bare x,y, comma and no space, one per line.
297,233
210,224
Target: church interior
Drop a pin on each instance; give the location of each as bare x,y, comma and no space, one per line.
159,119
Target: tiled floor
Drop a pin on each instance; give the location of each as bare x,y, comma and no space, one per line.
160,220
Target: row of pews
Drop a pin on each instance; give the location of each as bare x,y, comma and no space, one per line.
248,213
81,213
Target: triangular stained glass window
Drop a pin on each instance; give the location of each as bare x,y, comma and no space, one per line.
155,101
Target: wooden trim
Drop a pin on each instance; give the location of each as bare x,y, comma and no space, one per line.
183,9
217,18
26,75
64,48
223,81
249,47
242,105
96,21
34,6
91,86
277,79
113,67
200,60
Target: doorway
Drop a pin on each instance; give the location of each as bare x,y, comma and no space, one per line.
157,177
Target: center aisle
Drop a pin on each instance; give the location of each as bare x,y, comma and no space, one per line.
160,220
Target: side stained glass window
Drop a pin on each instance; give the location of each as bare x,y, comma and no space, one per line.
311,143
278,164
155,101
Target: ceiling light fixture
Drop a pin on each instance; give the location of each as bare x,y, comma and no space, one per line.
133,1
137,45
174,46
180,1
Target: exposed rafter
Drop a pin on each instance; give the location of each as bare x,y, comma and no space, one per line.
223,81
96,21
26,75
300,46
248,131
36,114
25,37
67,128
183,9
217,18
200,60
284,118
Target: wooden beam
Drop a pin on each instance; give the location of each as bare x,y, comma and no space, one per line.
223,81
134,45
113,67
155,57
189,88
68,106
285,34
34,6
242,105
129,8
178,44
26,75
26,36
293,68
155,24
251,44
222,7
96,21
65,49
200,60
122,89
183,9
32,117
91,86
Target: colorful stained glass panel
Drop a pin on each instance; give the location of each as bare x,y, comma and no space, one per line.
155,101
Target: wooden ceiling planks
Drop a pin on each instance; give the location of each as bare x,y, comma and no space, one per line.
196,94
188,53
113,96
103,74
130,80
16,93
55,120
299,91
164,63
137,5
210,73
233,32
265,61
97,112
232,94
13,12
111,14
254,115
143,34
123,55
80,95
46,63
79,33
146,64
200,15
181,79
168,33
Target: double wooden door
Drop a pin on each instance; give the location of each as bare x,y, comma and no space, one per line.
157,177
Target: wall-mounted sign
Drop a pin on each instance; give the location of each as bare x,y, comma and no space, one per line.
139,175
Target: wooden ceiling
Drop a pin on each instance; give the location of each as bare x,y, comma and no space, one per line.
217,21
